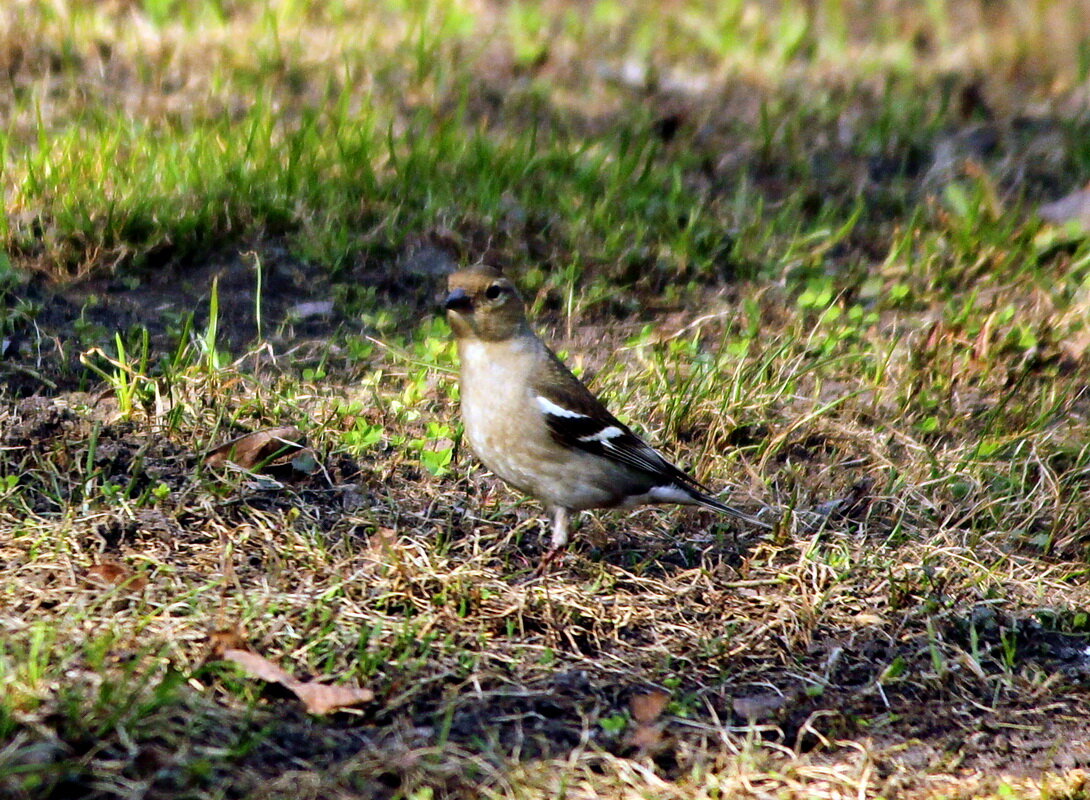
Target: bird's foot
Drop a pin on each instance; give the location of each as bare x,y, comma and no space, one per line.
547,560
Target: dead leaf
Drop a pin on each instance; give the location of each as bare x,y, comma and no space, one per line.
645,737
226,639
257,448
648,707
258,666
758,706
108,574
382,543
319,698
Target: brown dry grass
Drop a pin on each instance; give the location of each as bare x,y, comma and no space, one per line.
904,389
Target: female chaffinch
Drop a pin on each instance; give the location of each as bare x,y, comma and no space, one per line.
536,426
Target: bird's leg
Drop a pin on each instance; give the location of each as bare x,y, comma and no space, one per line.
559,540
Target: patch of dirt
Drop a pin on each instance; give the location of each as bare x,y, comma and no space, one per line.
42,436
62,455
299,302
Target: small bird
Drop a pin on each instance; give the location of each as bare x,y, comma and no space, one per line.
536,426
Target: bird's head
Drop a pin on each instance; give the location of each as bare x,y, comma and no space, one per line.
482,304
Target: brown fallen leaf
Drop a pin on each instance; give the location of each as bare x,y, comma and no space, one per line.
226,639
645,737
648,707
382,543
319,698
322,698
257,448
108,574
258,666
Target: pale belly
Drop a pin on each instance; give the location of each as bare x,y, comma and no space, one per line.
509,436
547,473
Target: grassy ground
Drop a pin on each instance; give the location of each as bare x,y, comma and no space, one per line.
795,243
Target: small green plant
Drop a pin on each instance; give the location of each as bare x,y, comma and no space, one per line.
529,34
614,724
362,436
1008,639
214,359
436,449
129,377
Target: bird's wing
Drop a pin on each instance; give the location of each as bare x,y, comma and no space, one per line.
577,419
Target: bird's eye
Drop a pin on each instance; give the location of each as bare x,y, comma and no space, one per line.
493,291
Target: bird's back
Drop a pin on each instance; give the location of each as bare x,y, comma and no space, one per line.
508,431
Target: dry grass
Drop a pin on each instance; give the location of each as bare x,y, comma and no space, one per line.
793,242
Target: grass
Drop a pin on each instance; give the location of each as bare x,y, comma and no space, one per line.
793,243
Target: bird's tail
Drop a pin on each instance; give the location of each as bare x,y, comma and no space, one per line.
711,502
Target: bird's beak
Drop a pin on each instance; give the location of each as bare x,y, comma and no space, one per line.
458,300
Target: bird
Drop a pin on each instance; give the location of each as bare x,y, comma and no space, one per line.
536,425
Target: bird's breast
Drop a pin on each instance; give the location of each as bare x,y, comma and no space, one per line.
503,427
508,432
495,396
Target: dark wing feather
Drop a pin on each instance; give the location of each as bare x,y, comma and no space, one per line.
588,419
576,418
